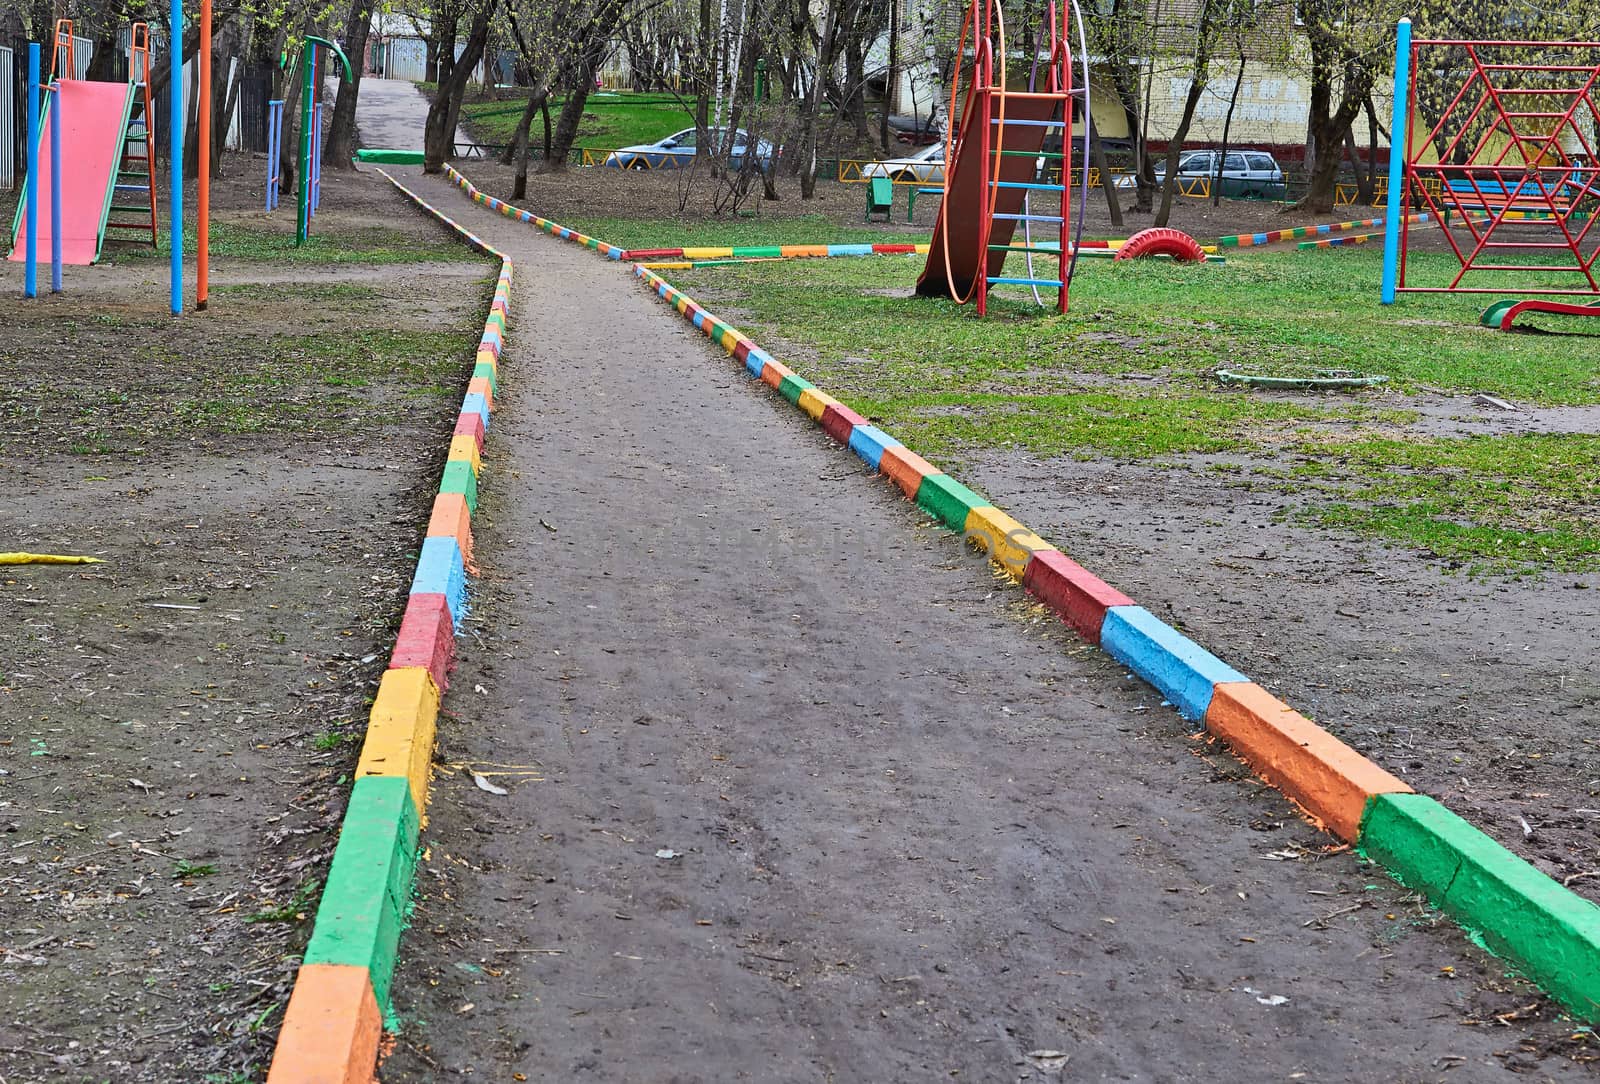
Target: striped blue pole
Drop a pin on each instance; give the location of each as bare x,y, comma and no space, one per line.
175,167
1399,135
55,188
30,270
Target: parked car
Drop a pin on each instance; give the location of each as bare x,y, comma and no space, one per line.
924,167
678,150
1246,174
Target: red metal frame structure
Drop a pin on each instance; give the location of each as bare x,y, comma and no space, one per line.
1512,155
996,159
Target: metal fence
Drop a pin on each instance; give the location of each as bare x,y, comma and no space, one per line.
8,119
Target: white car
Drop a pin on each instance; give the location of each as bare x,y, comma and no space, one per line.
924,167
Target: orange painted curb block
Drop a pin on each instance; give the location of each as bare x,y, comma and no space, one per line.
479,385
1320,773
773,372
452,519
331,1029
906,468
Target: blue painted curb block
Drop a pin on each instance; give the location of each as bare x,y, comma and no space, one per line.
868,442
475,403
1181,669
441,571
755,361
850,250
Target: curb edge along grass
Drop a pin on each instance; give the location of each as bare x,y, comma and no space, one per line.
1550,932
334,1024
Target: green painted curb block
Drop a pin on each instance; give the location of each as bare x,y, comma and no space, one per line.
759,252
368,895
1549,931
487,371
793,385
948,501
458,478
398,158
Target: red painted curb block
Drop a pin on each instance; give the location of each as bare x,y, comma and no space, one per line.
470,425
838,420
1078,595
427,638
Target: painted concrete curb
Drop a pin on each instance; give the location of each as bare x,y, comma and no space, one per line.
554,229
1547,930
334,1023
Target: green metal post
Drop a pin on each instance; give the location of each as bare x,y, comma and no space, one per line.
303,182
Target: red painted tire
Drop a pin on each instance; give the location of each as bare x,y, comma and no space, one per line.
1162,241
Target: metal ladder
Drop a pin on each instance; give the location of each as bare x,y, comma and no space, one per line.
133,196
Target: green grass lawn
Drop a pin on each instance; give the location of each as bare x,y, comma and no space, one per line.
1127,374
611,119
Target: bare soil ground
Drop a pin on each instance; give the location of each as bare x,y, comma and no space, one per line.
175,722
873,845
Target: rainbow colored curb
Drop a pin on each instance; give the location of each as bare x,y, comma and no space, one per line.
1247,240
774,252
554,229
334,1023
1547,930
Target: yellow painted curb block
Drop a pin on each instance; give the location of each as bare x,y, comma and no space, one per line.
465,446
486,357
816,403
400,730
1003,539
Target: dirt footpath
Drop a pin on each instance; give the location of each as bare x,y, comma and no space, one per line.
798,790
176,724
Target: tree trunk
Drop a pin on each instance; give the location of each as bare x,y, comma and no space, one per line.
891,85
517,149
594,51
538,102
702,99
1227,128
1097,151
1169,185
440,133
1328,126
340,150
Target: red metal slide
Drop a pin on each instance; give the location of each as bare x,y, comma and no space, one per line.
960,221
96,116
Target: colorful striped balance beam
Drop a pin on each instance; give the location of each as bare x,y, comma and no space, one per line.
1549,932
554,229
341,999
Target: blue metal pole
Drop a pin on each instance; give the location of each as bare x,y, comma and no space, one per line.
1399,137
30,271
175,167
55,188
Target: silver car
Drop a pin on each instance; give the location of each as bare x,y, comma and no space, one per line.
1246,174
